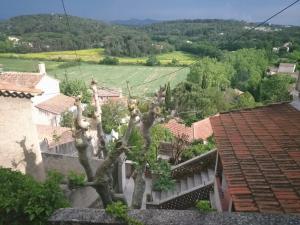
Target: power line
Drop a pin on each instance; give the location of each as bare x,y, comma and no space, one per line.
234,40
69,27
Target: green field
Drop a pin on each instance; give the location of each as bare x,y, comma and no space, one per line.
109,76
95,55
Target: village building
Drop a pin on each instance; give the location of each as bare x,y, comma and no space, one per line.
284,68
258,162
49,112
19,148
109,94
198,130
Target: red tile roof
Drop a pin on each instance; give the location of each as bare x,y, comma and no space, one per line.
260,153
179,129
199,130
10,89
108,92
29,80
57,105
64,135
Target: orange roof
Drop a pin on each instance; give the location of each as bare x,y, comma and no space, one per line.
199,130
64,134
260,152
24,79
57,105
10,89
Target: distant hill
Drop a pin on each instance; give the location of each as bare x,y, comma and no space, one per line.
135,22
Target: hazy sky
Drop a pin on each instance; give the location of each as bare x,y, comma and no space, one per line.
249,10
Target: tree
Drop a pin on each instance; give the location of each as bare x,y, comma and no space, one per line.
245,100
276,88
250,66
168,99
211,73
75,87
152,61
67,119
109,61
102,180
112,114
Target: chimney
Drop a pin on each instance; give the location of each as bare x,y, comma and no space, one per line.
42,68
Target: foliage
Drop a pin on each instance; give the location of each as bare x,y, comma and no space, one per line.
120,211
75,87
168,98
161,170
75,180
112,114
109,61
250,66
66,65
152,61
25,201
88,111
245,100
197,148
211,73
204,206
194,103
67,119
276,88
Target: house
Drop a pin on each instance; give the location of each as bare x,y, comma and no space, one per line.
56,140
198,130
19,147
49,112
284,68
107,94
258,161
48,85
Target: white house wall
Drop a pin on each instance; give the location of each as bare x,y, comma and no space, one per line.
50,88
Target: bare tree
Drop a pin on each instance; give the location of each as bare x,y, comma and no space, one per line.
102,179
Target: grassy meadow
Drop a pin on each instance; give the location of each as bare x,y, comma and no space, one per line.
96,54
109,76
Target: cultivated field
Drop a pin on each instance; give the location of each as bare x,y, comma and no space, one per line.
95,55
109,76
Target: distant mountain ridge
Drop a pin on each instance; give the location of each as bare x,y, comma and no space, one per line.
135,22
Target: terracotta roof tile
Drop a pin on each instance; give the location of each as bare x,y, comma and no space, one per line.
260,152
199,130
57,105
64,134
29,80
10,89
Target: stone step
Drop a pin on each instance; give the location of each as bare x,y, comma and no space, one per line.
204,177
190,182
197,179
163,195
183,185
156,196
178,187
211,174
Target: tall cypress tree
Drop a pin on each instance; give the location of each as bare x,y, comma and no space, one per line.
168,97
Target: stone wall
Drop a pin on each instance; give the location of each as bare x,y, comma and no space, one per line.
175,217
19,147
65,163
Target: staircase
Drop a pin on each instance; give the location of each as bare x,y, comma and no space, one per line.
194,181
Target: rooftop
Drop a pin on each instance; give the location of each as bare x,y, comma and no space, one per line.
57,105
29,80
199,130
21,91
55,135
286,68
260,152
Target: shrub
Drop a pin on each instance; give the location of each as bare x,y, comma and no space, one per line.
76,180
89,111
164,181
109,61
204,206
152,61
67,119
25,201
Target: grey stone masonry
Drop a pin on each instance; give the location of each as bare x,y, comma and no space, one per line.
76,216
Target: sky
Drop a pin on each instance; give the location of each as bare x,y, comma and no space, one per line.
108,10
